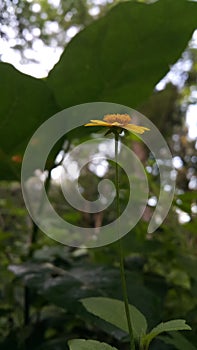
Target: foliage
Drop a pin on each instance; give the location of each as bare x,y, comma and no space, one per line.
113,311
42,282
130,86
129,72
46,22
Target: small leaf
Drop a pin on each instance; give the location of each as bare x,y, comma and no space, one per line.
82,344
112,311
173,325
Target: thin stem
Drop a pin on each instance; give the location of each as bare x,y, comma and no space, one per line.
121,255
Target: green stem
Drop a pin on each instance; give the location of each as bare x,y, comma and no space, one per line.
121,255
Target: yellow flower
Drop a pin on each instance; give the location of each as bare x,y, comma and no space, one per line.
118,122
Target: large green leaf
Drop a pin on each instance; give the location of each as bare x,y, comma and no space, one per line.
112,311
26,102
82,344
120,57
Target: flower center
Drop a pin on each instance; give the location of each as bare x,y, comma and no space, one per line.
122,119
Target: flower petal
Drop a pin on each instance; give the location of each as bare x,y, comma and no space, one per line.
116,124
95,122
135,128
90,124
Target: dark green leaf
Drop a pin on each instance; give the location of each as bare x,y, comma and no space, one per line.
26,102
122,56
